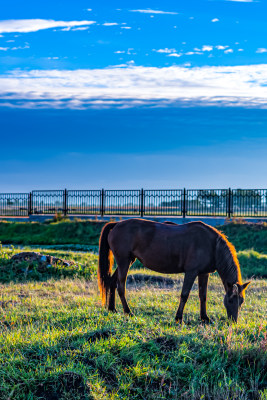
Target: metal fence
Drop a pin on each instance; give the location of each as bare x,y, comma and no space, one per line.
173,202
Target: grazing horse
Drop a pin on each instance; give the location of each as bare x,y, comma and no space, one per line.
195,249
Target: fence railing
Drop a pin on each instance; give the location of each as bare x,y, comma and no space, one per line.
174,202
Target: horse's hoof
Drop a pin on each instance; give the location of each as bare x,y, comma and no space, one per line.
179,321
112,310
129,314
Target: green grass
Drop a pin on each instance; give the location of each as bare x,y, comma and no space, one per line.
80,234
57,342
247,236
75,232
81,265
84,265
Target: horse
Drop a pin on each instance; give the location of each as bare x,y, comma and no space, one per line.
195,249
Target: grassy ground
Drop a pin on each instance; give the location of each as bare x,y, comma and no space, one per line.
57,342
253,264
83,233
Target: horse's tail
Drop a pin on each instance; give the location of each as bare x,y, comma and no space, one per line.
105,262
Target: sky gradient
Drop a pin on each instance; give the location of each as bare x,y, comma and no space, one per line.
130,95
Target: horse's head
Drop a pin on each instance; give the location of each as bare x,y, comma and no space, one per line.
234,298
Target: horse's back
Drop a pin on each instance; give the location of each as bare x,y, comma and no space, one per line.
164,247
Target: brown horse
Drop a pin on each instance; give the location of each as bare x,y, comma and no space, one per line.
195,249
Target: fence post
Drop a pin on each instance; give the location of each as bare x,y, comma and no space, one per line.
184,203
65,202
229,202
30,204
102,204
142,203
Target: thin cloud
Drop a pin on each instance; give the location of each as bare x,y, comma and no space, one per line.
244,1
174,55
34,25
129,85
110,24
261,50
215,20
149,11
166,50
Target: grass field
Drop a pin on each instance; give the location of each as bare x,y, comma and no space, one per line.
57,342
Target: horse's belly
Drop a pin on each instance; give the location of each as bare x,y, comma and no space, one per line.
171,269
165,264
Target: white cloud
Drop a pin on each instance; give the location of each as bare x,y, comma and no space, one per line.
215,20
166,50
20,47
228,51
126,27
129,85
190,53
149,11
219,47
89,9
207,48
34,25
261,50
174,55
244,1
4,48
110,24
240,50
81,28
119,52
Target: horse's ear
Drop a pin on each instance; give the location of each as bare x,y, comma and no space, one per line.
245,285
235,290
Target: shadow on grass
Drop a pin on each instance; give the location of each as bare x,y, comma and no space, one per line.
164,366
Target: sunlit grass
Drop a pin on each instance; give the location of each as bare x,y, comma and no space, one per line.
57,342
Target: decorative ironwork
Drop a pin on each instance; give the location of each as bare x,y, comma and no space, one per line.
206,202
163,202
122,202
14,204
249,202
173,202
47,201
87,202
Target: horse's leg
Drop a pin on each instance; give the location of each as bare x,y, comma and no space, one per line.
123,268
189,279
202,289
112,293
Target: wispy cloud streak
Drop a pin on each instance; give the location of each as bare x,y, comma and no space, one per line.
149,11
34,25
135,85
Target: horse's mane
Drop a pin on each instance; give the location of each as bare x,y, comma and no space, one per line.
228,251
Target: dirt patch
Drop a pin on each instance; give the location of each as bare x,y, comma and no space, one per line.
34,257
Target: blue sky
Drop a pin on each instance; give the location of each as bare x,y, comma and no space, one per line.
133,94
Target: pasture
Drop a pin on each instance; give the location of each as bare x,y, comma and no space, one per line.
57,342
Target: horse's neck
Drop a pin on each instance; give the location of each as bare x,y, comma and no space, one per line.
228,273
